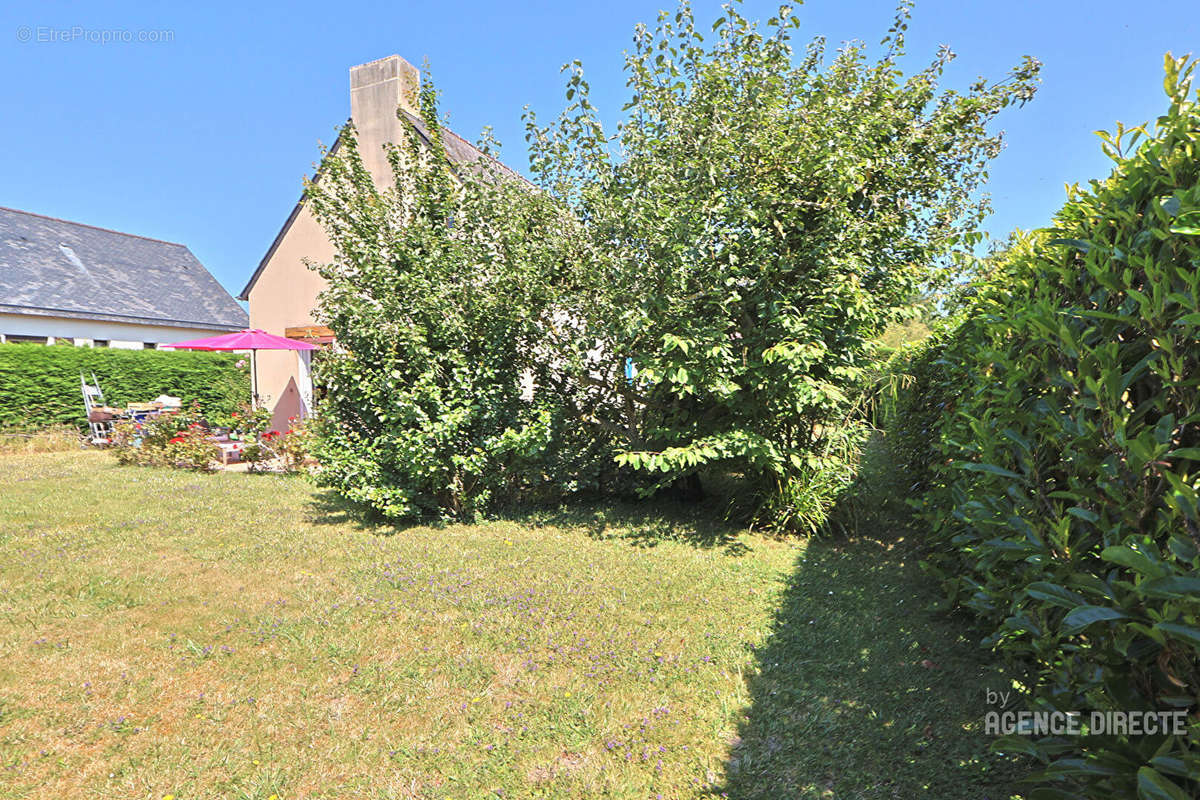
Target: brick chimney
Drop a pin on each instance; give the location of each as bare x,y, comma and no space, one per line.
377,89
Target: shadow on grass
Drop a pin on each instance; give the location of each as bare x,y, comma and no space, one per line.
864,691
644,523
639,523
327,507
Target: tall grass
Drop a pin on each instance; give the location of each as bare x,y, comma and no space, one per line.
55,439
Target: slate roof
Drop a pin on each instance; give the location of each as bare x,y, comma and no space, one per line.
461,152
52,267
462,155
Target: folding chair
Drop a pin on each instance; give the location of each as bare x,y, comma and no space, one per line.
93,397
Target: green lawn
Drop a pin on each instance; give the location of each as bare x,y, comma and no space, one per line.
242,636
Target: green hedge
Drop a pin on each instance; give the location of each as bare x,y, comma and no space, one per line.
39,385
1053,436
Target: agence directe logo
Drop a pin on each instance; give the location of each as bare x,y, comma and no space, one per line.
1001,722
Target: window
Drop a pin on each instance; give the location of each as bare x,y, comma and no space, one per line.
12,337
150,345
99,342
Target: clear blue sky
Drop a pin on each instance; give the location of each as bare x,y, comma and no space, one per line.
204,139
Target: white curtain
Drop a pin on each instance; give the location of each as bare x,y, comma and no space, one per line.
304,382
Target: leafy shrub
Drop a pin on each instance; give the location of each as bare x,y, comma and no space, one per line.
707,301
771,212
293,447
171,439
435,297
1054,434
39,386
277,451
191,449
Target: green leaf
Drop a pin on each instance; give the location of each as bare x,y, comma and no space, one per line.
1054,594
972,466
1078,767
1173,587
1137,369
1132,559
1153,786
1020,440
1082,617
1014,744
1078,244
1171,766
1185,633
1084,514
1182,548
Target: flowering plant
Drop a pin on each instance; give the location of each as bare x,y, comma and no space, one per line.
294,446
192,449
171,438
280,451
183,440
244,423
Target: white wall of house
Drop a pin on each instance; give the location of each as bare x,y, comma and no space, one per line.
123,335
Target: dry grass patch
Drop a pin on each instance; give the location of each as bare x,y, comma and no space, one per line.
55,439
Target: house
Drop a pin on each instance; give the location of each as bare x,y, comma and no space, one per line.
96,287
283,290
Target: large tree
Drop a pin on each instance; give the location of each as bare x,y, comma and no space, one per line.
755,221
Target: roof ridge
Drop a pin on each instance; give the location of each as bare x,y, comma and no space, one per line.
93,227
417,123
489,156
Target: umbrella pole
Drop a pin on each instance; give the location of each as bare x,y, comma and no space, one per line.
254,379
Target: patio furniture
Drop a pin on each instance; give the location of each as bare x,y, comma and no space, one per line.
93,399
230,450
253,340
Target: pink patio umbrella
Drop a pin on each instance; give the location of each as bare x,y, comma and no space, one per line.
252,340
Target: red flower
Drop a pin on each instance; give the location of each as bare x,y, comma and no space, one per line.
178,439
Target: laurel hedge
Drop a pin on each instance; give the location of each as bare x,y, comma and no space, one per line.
1053,437
39,385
